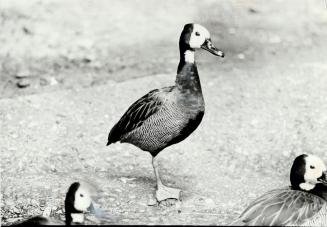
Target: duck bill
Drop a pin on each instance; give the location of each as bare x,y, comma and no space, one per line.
323,178
208,46
91,208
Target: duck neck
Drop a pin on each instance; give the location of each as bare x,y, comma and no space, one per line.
74,217
77,217
187,73
320,190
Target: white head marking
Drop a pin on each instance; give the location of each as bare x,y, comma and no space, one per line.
314,168
198,36
82,199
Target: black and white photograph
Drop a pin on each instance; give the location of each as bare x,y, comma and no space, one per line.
176,112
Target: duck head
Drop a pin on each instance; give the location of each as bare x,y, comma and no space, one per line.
307,172
195,36
78,201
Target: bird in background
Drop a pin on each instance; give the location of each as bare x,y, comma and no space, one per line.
78,201
304,203
168,115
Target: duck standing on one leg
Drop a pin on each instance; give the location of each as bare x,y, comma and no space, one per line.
168,115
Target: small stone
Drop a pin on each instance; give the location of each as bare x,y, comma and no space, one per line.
42,203
241,56
178,205
23,83
151,201
53,168
15,210
251,10
132,196
46,212
123,179
53,81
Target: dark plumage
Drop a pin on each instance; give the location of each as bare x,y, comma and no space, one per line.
168,115
304,203
158,120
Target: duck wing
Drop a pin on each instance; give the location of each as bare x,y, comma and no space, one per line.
282,207
137,113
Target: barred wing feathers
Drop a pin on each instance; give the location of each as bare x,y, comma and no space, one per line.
136,114
282,207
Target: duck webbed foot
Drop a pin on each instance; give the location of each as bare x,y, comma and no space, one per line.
165,193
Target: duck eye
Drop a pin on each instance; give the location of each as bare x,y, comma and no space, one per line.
81,195
312,167
197,33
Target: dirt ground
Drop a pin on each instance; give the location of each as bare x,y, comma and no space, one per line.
69,69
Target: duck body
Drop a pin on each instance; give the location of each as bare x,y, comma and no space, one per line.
167,116
304,203
283,207
163,116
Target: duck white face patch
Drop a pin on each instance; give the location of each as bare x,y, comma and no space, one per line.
198,36
314,168
82,199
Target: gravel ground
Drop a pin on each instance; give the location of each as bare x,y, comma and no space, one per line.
265,104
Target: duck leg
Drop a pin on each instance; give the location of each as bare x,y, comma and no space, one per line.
163,192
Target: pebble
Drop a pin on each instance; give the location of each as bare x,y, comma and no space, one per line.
42,203
210,202
132,196
23,83
123,179
241,56
151,201
53,81
15,210
178,205
46,212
